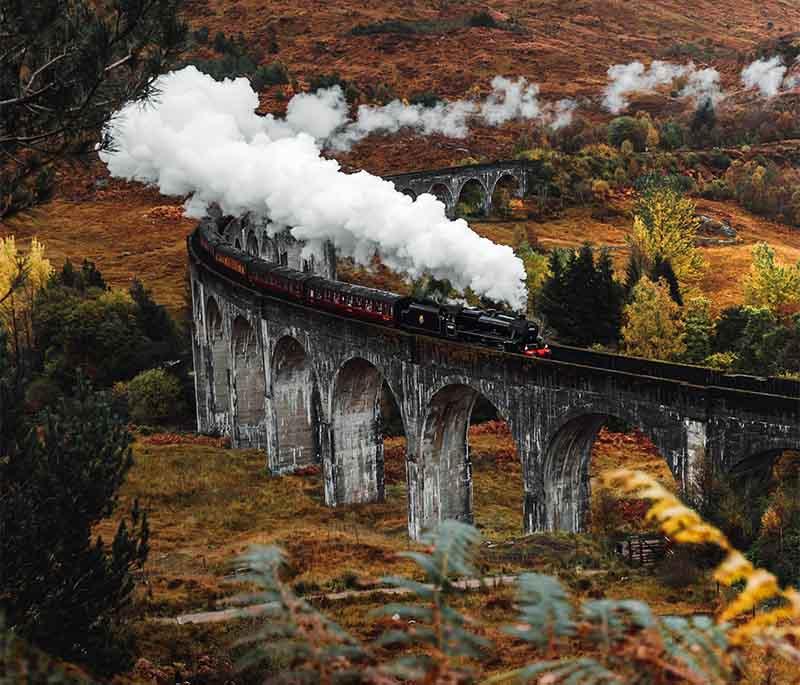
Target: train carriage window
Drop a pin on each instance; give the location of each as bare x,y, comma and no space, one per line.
368,305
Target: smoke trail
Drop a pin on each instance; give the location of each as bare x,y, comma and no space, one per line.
509,100
202,138
765,74
702,85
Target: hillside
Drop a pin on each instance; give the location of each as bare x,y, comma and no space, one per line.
566,47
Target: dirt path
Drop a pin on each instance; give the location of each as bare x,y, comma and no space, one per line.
258,609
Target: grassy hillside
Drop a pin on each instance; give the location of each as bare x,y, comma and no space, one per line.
207,504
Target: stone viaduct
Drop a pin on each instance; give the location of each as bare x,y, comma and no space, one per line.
448,184
305,386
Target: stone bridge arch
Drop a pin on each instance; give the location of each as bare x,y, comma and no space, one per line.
357,432
296,407
249,386
474,185
565,490
218,359
445,466
444,193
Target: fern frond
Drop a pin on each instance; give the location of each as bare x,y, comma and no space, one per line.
545,610
684,525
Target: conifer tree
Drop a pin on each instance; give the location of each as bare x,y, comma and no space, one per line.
662,269
699,329
581,300
62,588
65,67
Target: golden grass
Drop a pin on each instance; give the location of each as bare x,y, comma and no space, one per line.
207,504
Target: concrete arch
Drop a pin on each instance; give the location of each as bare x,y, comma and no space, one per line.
565,485
249,382
357,433
409,192
219,357
444,453
296,406
252,244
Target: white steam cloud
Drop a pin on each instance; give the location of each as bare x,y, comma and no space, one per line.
324,114
767,75
702,85
203,138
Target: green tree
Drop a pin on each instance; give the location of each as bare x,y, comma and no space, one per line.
153,396
536,273
62,588
769,284
65,67
630,129
664,228
662,269
653,326
699,330
763,339
581,300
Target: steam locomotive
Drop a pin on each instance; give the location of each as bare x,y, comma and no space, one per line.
489,328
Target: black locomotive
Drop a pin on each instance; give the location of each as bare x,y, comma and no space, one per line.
489,328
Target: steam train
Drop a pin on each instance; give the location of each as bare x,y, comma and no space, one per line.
489,328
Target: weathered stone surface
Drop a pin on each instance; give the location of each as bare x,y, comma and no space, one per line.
447,184
307,386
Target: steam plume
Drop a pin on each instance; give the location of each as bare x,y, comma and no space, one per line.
702,85
327,111
202,138
765,74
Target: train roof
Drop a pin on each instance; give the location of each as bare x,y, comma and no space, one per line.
261,267
355,290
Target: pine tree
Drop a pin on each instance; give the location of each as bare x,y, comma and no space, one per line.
65,67
60,587
581,300
699,329
553,295
609,299
662,268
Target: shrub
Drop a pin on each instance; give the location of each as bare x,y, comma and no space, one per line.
482,18
153,396
349,89
430,640
273,74
628,128
716,190
201,35
426,99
